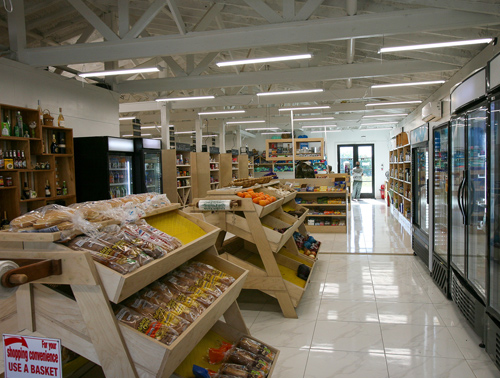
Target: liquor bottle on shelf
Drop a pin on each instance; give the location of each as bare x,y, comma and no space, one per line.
47,189
6,127
26,191
24,163
54,148
62,143
40,112
5,222
17,129
64,189
60,119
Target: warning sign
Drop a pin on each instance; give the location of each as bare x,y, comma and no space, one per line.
26,356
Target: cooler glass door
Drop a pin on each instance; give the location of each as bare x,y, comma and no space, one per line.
458,193
152,169
494,185
476,199
421,216
120,175
441,193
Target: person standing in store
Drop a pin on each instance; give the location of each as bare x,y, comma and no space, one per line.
357,181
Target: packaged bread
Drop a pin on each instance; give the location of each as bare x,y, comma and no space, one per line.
119,264
152,235
182,311
201,296
157,293
240,371
191,302
161,332
24,221
256,348
154,250
211,273
250,360
42,218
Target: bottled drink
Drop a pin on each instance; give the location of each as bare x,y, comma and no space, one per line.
47,189
40,112
111,178
16,160
26,191
64,189
6,127
60,119
23,160
54,148
62,143
18,127
2,161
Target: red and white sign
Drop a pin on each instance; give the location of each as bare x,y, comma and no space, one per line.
26,356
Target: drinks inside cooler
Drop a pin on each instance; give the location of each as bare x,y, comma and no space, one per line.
120,176
152,169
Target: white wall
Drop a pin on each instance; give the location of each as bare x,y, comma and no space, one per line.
87,109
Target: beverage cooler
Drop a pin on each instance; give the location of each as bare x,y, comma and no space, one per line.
419,139
147,165
440,252
104,168
469,231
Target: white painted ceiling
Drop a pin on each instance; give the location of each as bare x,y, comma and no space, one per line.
187,37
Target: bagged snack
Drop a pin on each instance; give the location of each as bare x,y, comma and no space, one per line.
240,371
257,348
156,330
201,296
211,288
249,359
119,263
153,250
212,274
182,311
217,355
157,293
191,302
148,233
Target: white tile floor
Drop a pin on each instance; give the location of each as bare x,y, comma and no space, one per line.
370,311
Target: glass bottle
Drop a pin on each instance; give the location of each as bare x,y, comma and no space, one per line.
40,112
54,148
18,127
62,143
47,189
60,119
23,161
64,189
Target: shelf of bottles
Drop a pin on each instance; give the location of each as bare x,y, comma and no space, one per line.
235,167
120,176
251,166
400,175
214,171
183,163
36,160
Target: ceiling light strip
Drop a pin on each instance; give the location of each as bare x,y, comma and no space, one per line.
264,60
409,84
435,45
169,99
304,108
385,115
119,72
222,112
290,92
244,122
312,119
393,103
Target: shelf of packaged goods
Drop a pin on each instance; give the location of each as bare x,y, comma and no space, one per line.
8,187
183,187
308,157
328,215
183,177
14,138
183,165
263,164
322,204
327,192
119,184
327,229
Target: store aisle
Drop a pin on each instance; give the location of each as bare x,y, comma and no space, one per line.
368,315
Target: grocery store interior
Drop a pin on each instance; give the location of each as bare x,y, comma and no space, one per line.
250,188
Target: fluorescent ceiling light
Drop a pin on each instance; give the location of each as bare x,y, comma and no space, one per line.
155,126
243,122
222,112
184,132
275,133
263,128
408,84
264,60
385,115
327,131
393,103
435,45
304,108
310,127
146,134
379,123
378,128
312,119
210,136
119,72
289,92
157,138
128,135
168,99
125,118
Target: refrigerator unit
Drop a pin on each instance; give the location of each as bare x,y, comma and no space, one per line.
147,165
419,139
103,168
440,252
469,236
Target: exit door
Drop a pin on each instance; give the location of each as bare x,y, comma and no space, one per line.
348,155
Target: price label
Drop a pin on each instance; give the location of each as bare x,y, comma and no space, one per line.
27,356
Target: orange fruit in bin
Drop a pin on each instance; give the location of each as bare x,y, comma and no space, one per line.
273,199
240,194
263,202
247,195
256,200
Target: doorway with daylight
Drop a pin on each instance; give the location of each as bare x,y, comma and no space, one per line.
349,154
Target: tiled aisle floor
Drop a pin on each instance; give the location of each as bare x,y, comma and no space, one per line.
371,314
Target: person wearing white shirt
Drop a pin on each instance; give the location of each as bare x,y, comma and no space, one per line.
357,181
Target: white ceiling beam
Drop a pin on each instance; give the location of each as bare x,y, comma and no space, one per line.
245,100
288,9
146,19
208,17
337,72
203,65
123,17
17,27
359,26
308,9
463,5
172,4
265,11
174,66
95,21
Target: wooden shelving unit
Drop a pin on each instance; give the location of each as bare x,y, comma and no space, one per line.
242,166
251,166
400,177
336,202
290,149
36,150
85,322
200,174
271,257
177,176
226,169
214,171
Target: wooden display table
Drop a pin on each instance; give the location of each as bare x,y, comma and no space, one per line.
84,319
271,257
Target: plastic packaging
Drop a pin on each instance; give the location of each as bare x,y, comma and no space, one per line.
249,359
257,348
45,217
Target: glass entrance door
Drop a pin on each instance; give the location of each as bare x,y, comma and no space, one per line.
348,155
